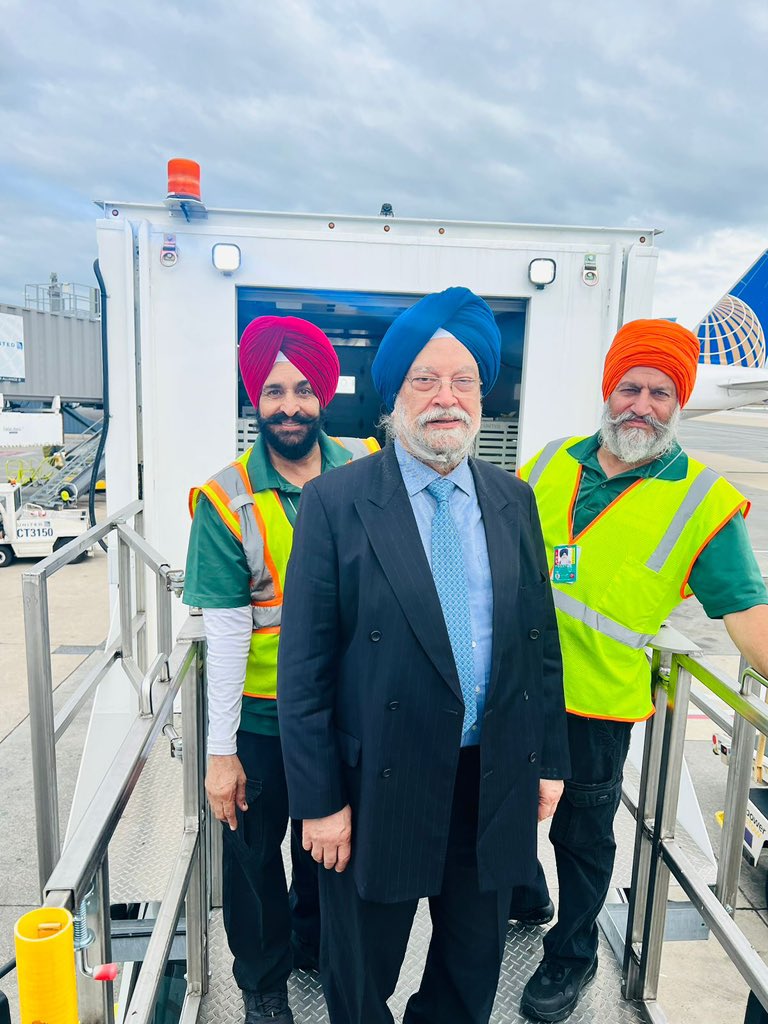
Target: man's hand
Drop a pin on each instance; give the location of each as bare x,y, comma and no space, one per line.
225,786
329,839
550,791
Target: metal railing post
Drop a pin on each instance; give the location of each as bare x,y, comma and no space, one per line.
195,819
96,1000
142,652
164,616
41,717
125,597
664,827
736,800
646,808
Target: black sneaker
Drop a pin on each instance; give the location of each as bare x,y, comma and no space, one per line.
267,1008
536,915
554,989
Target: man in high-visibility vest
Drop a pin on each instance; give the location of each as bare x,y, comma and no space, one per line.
242,533
642,525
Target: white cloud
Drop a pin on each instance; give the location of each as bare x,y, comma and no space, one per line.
543,112
691,281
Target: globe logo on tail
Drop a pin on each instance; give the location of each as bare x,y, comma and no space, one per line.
731,333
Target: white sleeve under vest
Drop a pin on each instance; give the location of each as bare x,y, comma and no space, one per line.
228,632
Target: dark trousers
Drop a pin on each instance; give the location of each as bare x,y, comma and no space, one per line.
582,835
258,913
755,1012
363,943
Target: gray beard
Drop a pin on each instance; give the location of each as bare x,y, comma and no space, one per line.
445,449
634,445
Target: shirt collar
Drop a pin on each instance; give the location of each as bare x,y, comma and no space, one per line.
264,476
417,475
672,466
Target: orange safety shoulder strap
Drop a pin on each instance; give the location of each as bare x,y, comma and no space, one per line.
219,498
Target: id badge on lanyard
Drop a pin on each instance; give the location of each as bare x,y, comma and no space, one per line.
566,563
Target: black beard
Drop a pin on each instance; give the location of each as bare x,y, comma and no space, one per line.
293,448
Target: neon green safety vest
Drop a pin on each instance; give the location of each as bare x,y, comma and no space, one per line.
633,565
259,522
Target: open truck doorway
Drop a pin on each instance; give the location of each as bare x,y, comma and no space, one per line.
356,322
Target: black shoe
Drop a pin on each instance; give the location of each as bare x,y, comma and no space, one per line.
306,956
267,1008
553,991
537,915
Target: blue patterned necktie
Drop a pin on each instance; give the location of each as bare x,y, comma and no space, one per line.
450,576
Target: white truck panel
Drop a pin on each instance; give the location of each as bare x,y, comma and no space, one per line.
188,324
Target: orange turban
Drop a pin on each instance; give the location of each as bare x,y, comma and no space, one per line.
664,345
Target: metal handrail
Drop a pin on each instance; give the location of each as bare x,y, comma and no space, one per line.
67,875
45,729
85,849
658,856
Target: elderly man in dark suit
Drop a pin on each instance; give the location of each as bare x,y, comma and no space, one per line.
420,684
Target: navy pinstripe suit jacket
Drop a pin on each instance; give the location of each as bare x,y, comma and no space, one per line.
369,700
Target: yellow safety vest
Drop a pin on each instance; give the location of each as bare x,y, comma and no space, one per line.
259,522
633,565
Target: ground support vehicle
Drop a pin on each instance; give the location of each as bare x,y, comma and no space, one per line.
28,530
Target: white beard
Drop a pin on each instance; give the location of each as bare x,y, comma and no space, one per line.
438,448
634,445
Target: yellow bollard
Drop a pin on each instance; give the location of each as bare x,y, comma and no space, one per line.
45,965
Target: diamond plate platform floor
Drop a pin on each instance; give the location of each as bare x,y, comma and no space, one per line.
601,1002
141,854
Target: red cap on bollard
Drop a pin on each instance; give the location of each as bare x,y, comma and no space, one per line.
183,179
105,972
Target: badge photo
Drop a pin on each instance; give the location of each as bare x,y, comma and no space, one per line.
565,563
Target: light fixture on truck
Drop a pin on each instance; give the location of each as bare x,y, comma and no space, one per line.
226,257
184,179
541,272
184,197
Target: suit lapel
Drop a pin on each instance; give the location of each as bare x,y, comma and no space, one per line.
388,519
502,534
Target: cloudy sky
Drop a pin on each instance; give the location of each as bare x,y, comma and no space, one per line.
618,113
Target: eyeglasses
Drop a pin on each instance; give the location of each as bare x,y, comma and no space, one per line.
428,385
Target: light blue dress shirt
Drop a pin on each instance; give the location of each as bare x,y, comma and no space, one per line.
465,510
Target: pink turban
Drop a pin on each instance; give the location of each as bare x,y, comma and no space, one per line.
302,344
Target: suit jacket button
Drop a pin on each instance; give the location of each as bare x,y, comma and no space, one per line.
525,695
386,773
532,758
375,635
534,634
393,705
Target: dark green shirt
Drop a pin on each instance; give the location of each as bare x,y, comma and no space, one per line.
217,574
725,577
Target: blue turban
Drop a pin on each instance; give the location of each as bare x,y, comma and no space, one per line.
457,310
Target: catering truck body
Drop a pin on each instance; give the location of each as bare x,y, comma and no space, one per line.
182,282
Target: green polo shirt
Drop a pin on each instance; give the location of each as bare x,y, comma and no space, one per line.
725,577
217,574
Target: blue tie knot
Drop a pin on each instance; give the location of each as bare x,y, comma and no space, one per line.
441,490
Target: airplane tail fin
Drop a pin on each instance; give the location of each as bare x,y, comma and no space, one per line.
733,333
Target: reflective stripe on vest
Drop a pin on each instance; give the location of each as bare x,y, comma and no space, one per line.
700,488
259,522
634,561
545,457
601,623
358,447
